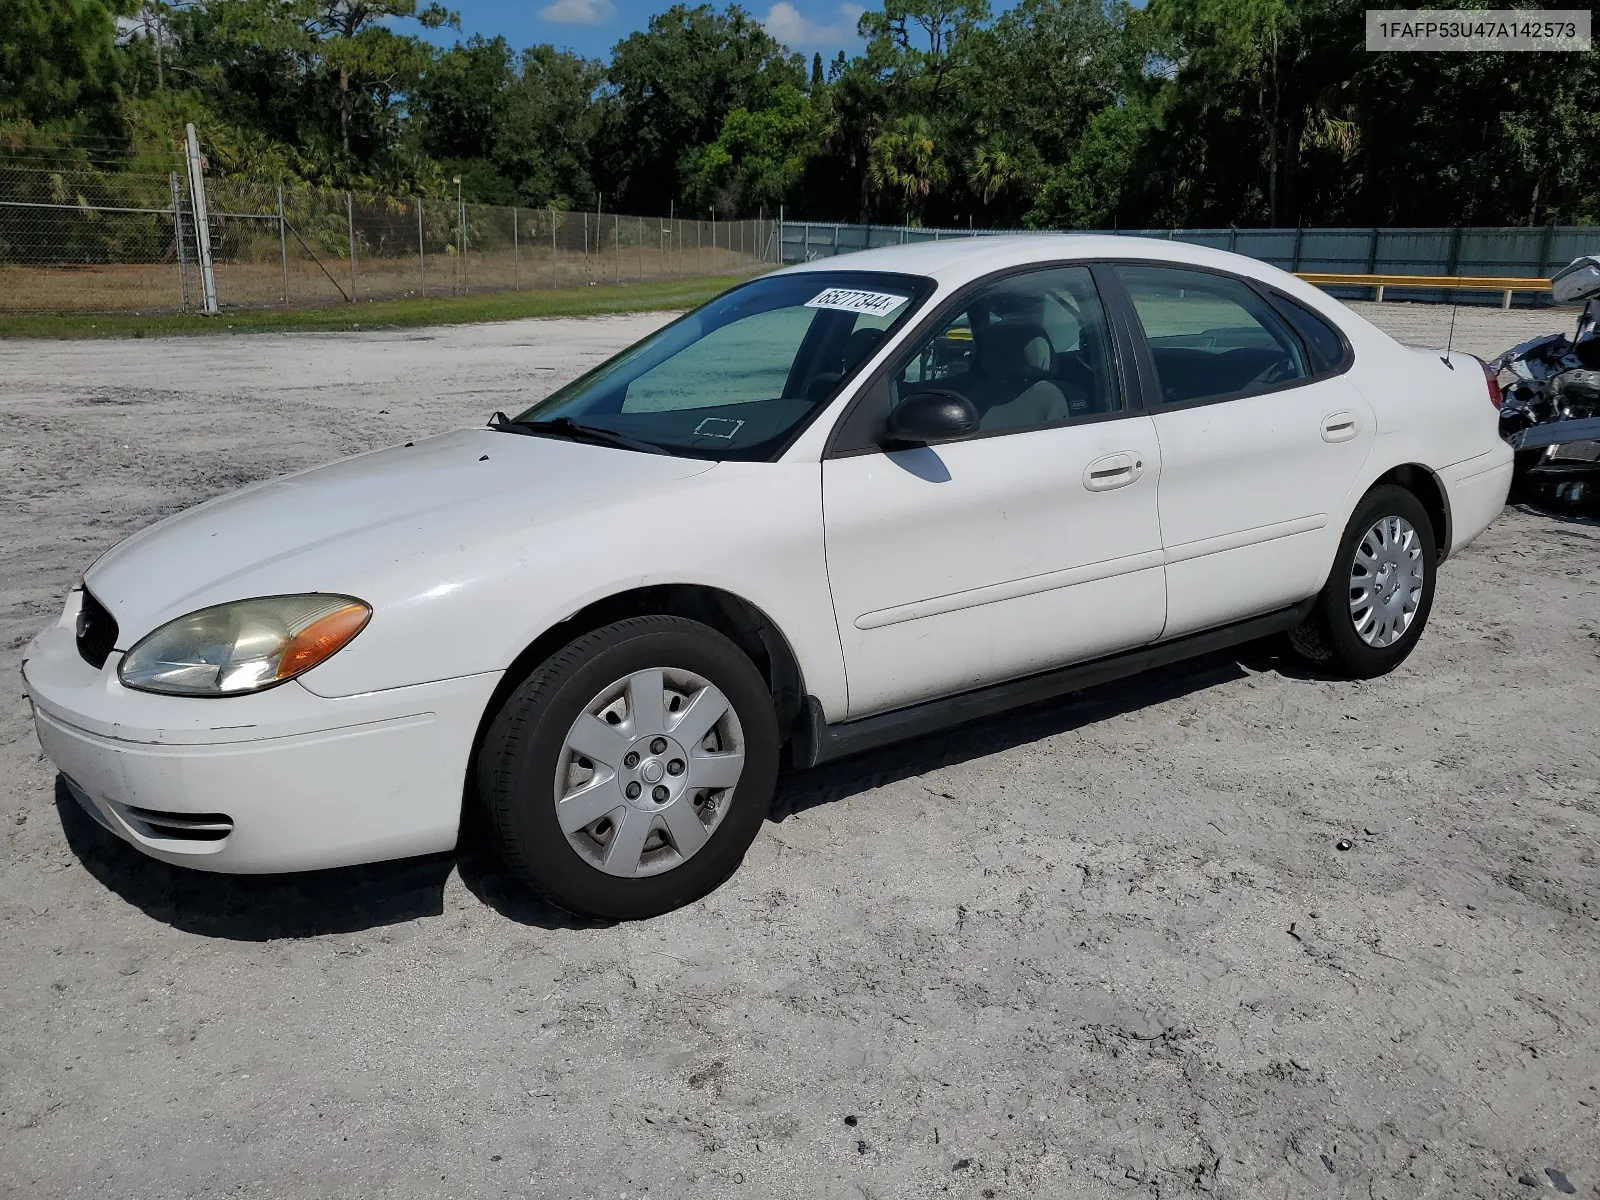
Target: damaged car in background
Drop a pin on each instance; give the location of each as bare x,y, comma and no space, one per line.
1551,385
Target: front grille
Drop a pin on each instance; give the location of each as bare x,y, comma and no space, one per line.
97,631
183,827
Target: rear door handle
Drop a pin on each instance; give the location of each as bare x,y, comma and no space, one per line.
1113,471
1340,426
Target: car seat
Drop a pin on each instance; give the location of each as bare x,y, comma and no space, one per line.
1010,382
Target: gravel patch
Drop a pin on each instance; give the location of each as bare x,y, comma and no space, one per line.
1106,946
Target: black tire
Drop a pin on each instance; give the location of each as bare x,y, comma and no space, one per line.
518,762
1328,637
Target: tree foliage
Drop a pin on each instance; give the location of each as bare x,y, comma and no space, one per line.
1053,113
57,60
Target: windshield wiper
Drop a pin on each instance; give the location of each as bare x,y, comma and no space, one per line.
566,427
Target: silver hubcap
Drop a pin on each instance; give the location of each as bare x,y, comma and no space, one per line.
1386,582
648,771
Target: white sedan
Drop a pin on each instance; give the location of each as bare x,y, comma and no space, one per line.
842,504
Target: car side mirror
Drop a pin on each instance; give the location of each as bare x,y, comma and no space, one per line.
934,415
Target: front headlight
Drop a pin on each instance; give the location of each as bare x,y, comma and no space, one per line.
244,646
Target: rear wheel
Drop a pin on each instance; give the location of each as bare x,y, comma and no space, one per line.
1372,610
631,771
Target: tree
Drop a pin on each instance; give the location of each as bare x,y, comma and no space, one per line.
58,61
673,86
759,158
1047,68
1089,189
347,41
851,116
153,22
913,41
517,131
906,166
1077,113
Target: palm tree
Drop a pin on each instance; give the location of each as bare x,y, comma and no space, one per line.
905,161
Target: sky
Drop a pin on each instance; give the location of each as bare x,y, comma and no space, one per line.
592,27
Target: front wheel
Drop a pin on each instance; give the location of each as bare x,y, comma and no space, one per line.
631,771
1375,604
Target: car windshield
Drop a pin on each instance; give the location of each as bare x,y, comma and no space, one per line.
739,377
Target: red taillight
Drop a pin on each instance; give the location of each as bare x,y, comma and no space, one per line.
1493,380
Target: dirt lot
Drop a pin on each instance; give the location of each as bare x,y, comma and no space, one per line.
1103,947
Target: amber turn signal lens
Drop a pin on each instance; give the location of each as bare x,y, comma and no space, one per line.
322,638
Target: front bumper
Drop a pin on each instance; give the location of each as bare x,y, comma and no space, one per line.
283,780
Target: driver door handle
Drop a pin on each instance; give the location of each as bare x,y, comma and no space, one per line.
1113,471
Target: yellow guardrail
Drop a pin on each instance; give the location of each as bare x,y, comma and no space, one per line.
1505,285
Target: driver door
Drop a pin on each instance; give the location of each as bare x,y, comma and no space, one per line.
1035,543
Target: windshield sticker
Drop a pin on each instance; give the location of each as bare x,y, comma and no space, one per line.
873,304
719,427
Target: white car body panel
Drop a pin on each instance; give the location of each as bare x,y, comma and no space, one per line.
433,536
308,782
888,586
962,565
1251,492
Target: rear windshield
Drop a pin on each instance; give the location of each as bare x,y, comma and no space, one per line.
739,377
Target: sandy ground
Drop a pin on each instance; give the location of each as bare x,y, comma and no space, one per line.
1103,947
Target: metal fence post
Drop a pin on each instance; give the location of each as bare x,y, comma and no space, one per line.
641,249
283,245
1294,261
202,221
516,251
350,228
422,252
461,222
177,234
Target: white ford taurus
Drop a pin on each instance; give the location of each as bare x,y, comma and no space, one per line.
845,503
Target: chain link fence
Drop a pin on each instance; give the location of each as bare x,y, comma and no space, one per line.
79,239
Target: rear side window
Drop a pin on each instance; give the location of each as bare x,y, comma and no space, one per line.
1327,348
1211,337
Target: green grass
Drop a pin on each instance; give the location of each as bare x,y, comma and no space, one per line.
380,314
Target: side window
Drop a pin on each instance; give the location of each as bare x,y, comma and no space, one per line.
1029,351
1327,348
1211,336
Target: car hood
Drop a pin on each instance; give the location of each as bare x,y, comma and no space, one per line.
311,530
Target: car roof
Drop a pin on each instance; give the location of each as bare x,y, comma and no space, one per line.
954,260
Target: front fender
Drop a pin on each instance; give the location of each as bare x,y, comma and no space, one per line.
753,530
